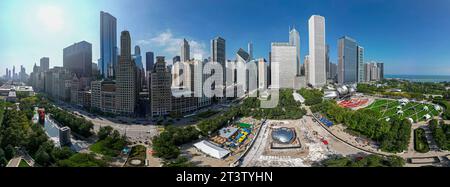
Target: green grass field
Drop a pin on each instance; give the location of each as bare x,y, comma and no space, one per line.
23,164
414,110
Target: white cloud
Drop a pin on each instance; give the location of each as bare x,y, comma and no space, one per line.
171,45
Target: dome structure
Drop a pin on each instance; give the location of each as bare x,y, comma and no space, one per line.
283,135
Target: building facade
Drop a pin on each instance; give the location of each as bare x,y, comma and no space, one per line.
317,66
286,56
108,45
77,58
347,60
160,87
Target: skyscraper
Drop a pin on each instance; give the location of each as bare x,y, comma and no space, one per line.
262,74
77,58
160,94
294,39
347,60
327,61
381,70
218,52
126,77
250,50
138,58
286,56
361,71
149,61
44,64
317,69
176,59
185,51
108,45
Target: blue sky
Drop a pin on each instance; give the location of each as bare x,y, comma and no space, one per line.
409,36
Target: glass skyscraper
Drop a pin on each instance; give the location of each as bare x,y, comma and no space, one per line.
348,60
108,45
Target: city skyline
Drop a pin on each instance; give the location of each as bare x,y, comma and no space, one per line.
384,37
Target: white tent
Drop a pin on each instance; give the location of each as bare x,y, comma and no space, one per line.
437,107
211,149
400,112
427,116
298,97
425,108
411,120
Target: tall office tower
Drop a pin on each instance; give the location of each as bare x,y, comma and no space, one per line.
6,74
138,58
149,61
161,93
77,58
262,74
306,64
374,72
108,45
126,77
333,71
45,64
241,77
317,51
140,71
199,80
185,51
361,71
294,39
348,60
250,50
218,52
367,72
327,61
14,73
176,59
381,70
286,56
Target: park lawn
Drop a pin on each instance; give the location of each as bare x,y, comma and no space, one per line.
377,104
100,148
412,110
420,141
23,164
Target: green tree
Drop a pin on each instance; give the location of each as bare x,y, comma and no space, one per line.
104,132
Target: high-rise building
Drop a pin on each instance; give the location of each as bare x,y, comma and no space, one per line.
306,64
77,58
160,88
286,56
250,50
262,74
104,95
185,51
317,67
126,77
14,73
333,71
348,60
176,59
242,73
140,71
294,39
218,53
44,64
361,70
108,45
381,70
327,61
149,61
